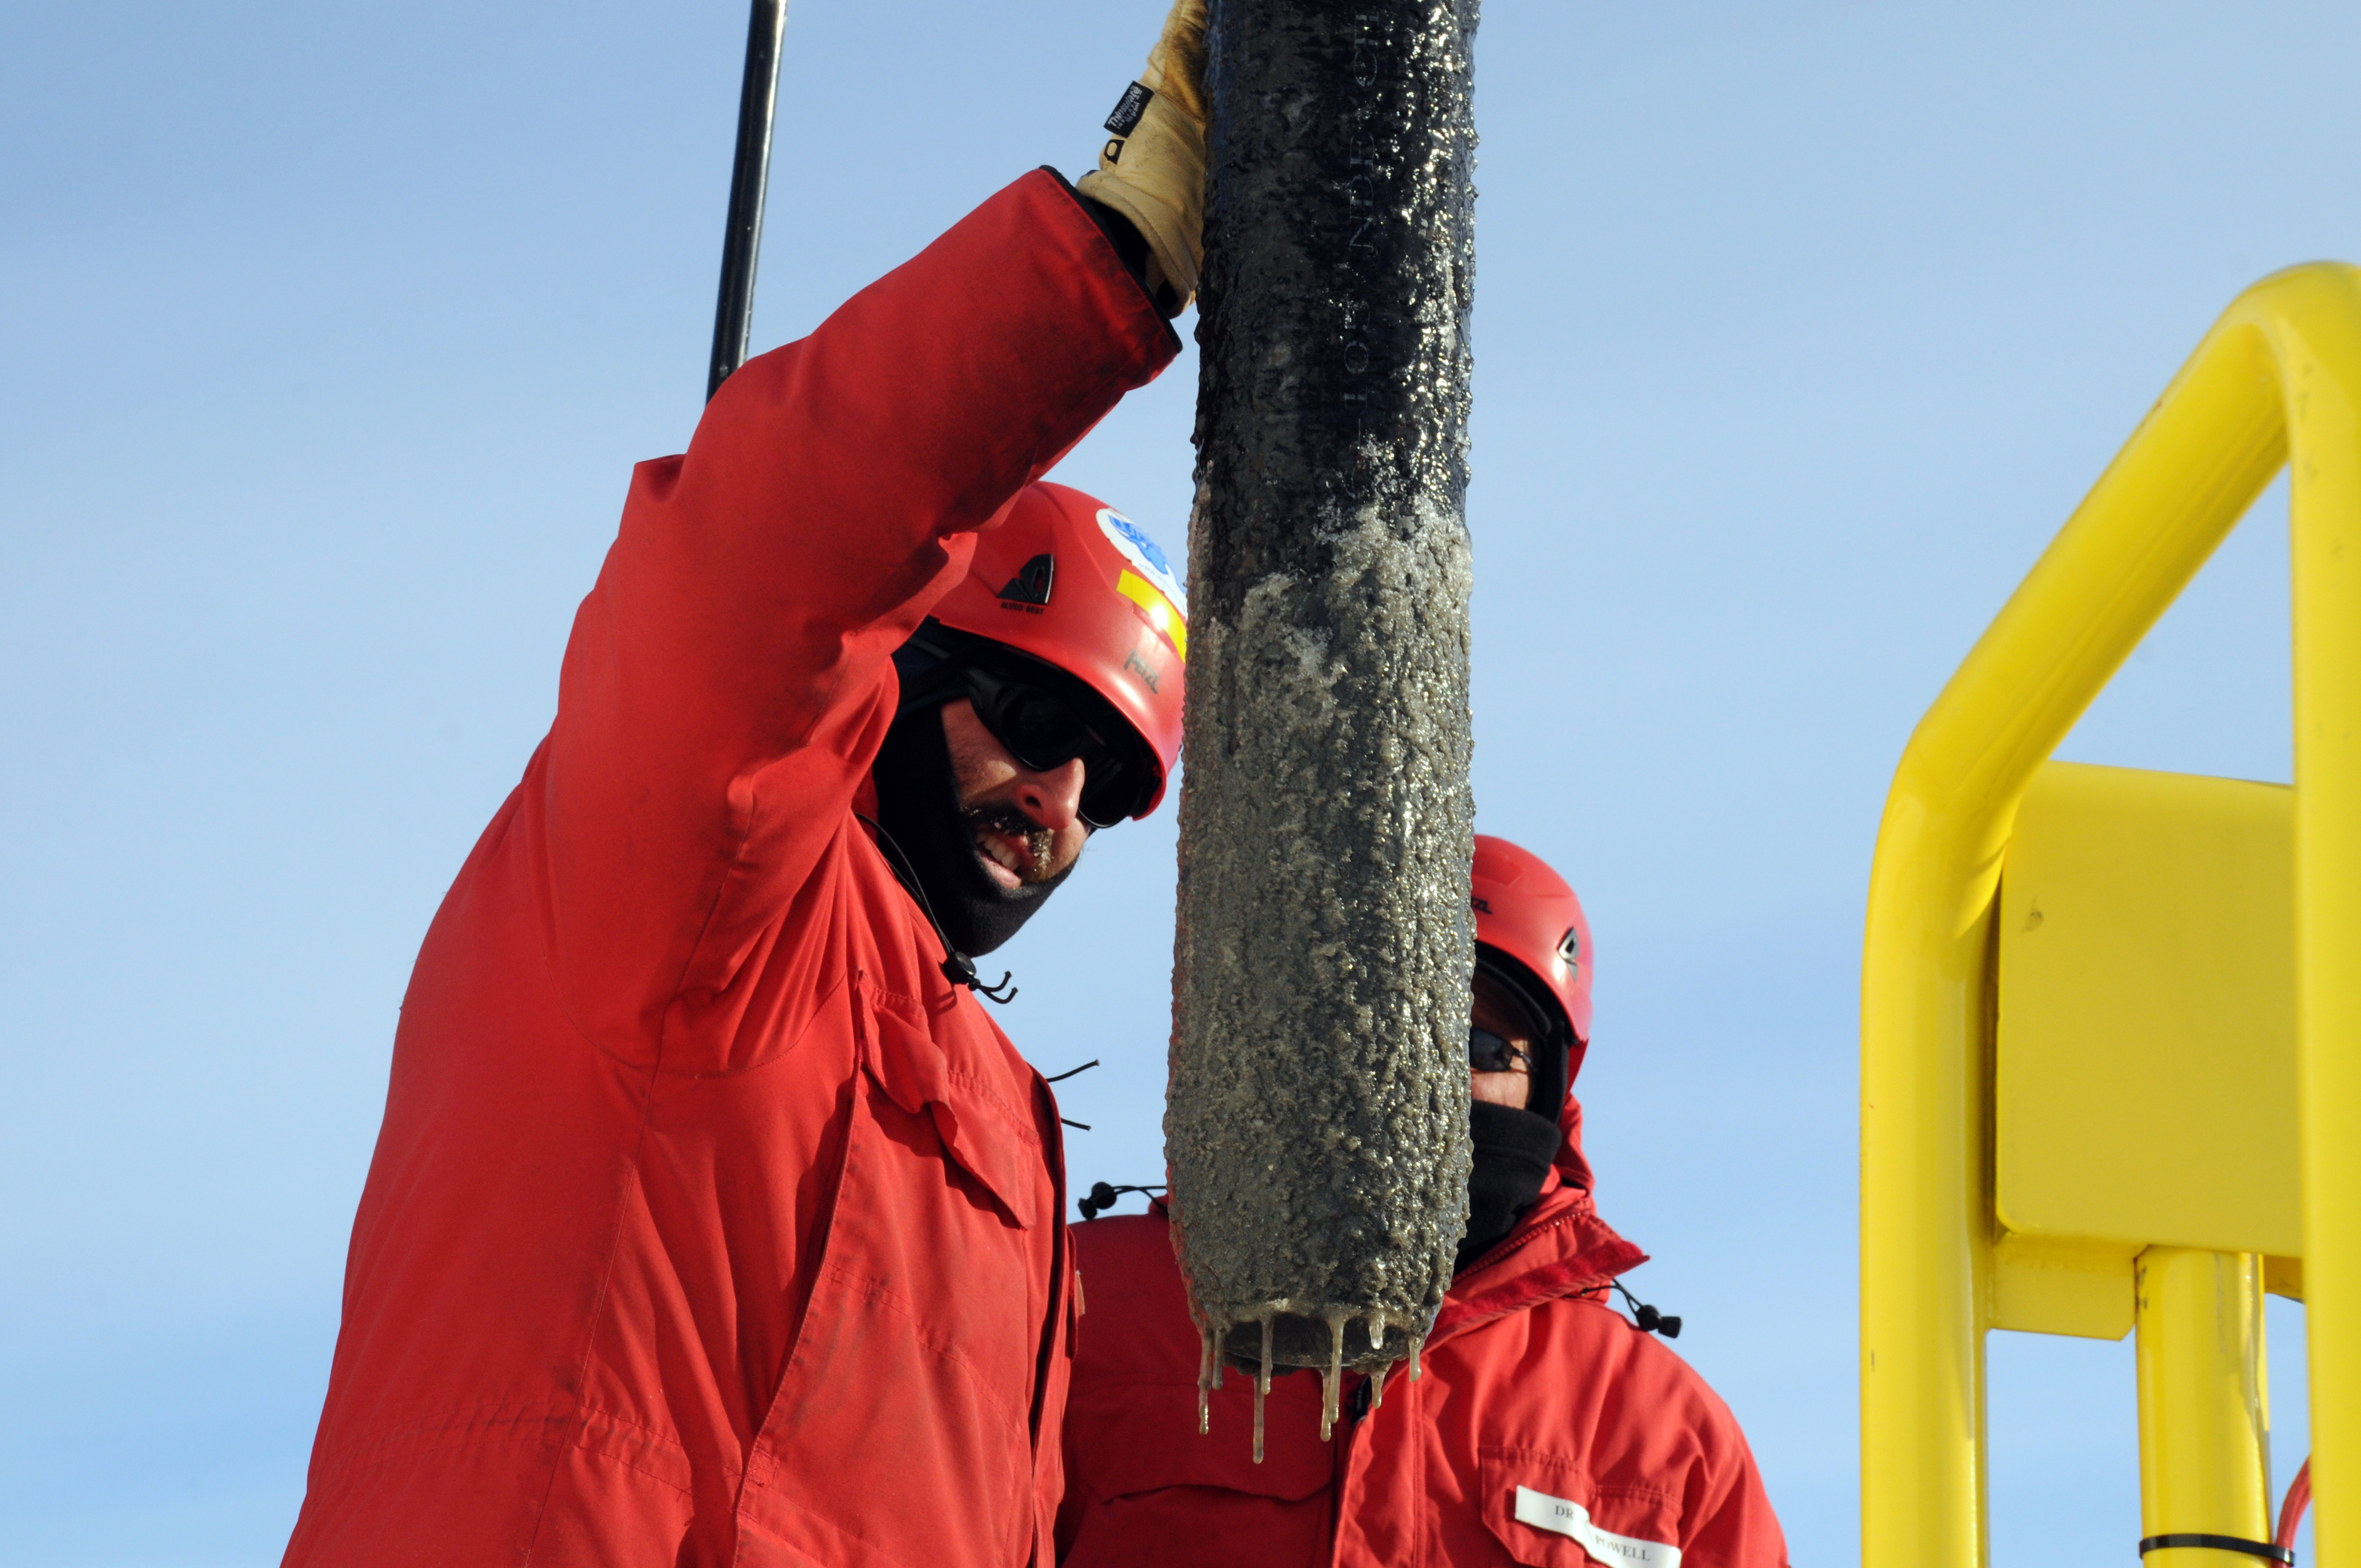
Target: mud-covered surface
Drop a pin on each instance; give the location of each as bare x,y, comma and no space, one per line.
1317,1128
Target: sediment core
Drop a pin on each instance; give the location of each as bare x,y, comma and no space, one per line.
1317,1125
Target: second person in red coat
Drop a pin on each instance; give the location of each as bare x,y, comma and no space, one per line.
1547,1427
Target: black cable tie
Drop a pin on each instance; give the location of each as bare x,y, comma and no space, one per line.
1071,1071
2219,1543
1071,1122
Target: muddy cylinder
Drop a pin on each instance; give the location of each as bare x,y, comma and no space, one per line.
1317,1123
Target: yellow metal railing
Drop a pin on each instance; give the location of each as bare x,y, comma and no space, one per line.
2206,1446
2278,377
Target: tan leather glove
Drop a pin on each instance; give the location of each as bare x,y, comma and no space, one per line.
1152,168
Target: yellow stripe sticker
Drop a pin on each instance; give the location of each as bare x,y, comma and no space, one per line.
1160,609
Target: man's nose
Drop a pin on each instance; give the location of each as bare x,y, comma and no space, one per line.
1054,798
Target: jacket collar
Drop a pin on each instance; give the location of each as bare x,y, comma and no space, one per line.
1560,1248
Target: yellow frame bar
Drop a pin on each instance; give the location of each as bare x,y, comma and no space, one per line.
2280,370
2204,1404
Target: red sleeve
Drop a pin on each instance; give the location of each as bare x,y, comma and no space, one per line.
1727,1520
728,680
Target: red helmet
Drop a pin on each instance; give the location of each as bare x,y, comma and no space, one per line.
1076,584
1525,912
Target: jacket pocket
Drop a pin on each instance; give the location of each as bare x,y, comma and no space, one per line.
1544,1509
899,1433
986,1138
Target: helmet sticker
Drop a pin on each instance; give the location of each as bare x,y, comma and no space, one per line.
1142,553
1569,948
1158,610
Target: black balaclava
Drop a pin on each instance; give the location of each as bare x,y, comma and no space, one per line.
919,807
1512,1152
1514,1148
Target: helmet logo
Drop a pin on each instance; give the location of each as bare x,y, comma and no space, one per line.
1031,583
1142,553
1569,948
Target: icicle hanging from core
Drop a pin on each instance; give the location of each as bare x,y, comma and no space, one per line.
1262,1386
1211,1337
1333,1375
1208,1378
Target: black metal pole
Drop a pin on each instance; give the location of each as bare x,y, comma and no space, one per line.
758,100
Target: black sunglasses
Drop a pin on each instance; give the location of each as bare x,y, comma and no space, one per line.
1045,730
1488,1052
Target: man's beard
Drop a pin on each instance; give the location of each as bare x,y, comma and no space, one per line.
1039,842
918,806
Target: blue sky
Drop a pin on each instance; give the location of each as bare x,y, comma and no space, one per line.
330,334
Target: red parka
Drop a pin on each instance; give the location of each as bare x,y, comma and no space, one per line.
1536,1397
708,1223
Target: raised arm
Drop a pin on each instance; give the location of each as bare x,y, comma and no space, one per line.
728,679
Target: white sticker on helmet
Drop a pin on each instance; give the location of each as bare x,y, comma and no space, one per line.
1142,553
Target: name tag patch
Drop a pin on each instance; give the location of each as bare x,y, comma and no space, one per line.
1561,1516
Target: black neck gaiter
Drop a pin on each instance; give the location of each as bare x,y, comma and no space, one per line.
919,806
1513,1149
